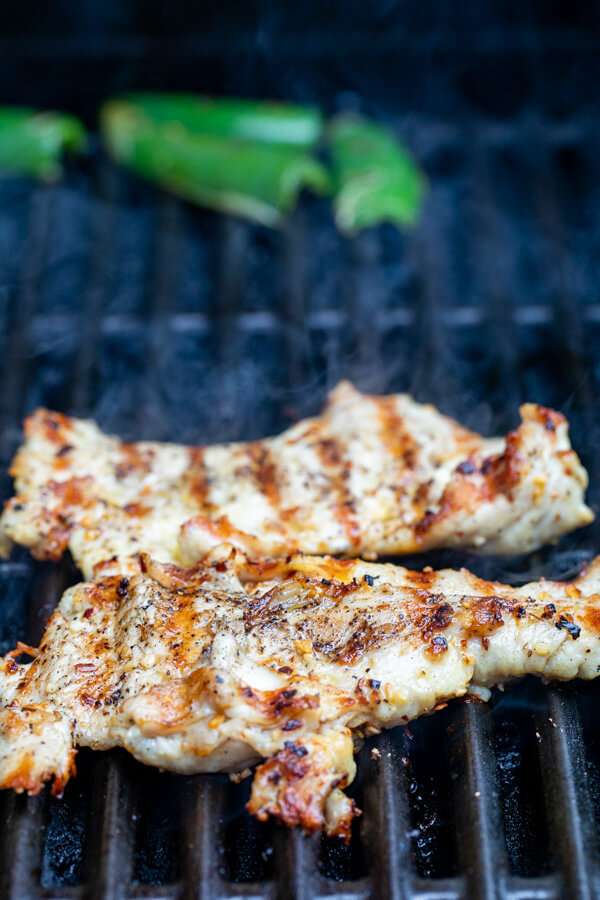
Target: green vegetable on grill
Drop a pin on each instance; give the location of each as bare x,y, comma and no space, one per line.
375,179
33,143
256,179
253,158
250,120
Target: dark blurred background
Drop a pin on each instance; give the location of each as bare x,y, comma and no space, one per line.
444,59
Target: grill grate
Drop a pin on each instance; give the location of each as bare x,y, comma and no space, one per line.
162,321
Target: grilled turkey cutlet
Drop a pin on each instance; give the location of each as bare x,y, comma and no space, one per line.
231,661
369,476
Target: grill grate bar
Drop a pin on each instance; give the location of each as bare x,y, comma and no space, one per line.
432,379
154,412
264,320
295,299
568,317
111,841
479,836
386,812
23,825
17,360
297,874
501,338
96,291
546,888
568,799
201,838
362,304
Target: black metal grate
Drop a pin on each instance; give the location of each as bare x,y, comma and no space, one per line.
165,322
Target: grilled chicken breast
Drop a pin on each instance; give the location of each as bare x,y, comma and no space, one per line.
231,661
370,476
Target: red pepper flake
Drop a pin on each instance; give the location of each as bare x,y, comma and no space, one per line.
85,667
88,613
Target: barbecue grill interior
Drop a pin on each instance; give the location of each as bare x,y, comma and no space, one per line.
165,322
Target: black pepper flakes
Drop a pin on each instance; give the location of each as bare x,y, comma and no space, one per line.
66,448
297,749
369,580
440,643
291,725
573,629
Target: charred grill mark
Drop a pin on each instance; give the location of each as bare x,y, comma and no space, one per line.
338,470
55,527
50,423
365,639
471,487
198,480
395,437
55,543
73,492
263,470
137,510
131,461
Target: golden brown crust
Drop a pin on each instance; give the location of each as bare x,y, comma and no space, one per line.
369,476
294,787
213,667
